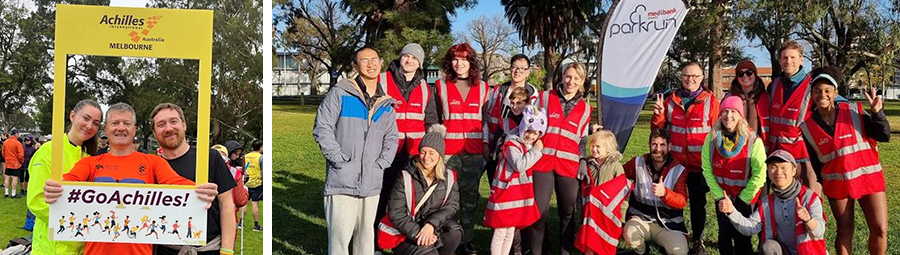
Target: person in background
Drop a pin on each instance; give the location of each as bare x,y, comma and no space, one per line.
104,144
15,160
253,167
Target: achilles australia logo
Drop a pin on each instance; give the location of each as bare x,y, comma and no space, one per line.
140,31
641,21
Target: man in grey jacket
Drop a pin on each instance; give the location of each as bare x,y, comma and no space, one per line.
357,132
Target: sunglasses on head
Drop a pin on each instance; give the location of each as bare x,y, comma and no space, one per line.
747,73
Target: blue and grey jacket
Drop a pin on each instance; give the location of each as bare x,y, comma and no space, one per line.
358,141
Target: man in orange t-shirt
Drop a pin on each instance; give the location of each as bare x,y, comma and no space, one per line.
123,165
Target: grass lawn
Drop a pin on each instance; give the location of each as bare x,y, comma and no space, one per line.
12,211
300,173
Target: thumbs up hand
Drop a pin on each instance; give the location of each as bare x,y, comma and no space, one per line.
802,213
725,205
658,188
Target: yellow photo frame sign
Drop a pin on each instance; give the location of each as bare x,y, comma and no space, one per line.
132,32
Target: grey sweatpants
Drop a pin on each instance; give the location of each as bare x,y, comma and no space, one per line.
350,218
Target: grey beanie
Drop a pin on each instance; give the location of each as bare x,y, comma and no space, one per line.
416,50
434,138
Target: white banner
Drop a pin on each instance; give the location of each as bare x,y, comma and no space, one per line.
636,40
87,213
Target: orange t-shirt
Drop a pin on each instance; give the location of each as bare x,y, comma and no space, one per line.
133,168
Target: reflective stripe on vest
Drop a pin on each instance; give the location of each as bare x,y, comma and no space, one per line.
731,183
860,145
642,189
465,129
781,116
608,209
806,244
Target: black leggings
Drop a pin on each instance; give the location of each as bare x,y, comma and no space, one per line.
730,240
697,190
567,198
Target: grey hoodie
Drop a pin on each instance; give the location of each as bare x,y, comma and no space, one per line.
358,142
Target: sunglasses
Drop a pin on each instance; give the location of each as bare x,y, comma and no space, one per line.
747,73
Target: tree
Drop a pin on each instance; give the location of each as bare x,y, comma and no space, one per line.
236,109
704,38
554,24
772,22
23,64
318,30
381,17
850,35
433,42
495,37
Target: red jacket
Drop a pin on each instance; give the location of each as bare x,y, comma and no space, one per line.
688,127
13,153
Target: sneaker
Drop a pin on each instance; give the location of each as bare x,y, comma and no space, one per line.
698,248
257,228
6,195
240,224
16,196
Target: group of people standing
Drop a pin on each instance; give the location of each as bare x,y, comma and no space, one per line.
405,161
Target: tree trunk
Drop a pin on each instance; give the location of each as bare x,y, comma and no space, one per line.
548,66
715,58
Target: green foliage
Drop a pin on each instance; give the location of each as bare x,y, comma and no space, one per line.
433,42
536,78
379,17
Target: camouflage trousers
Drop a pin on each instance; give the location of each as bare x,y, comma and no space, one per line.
469,169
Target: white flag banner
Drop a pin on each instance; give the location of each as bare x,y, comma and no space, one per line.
636,41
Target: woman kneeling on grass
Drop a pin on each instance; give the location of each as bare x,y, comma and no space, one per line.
425,199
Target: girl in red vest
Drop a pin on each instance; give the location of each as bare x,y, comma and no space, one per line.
461,97
789,220
511,204
601,165
842,137
568,118
733,163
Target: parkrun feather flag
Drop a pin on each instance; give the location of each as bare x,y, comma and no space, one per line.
637,38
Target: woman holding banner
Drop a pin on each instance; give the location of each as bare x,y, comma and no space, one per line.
423,203
843,136
567,128
733,163
82,141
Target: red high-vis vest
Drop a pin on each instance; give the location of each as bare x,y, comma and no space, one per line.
785,118
732,173
564,132
463,117
851,166
410,113
806,244
388,236
498,119
511,203
689,127
602,224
